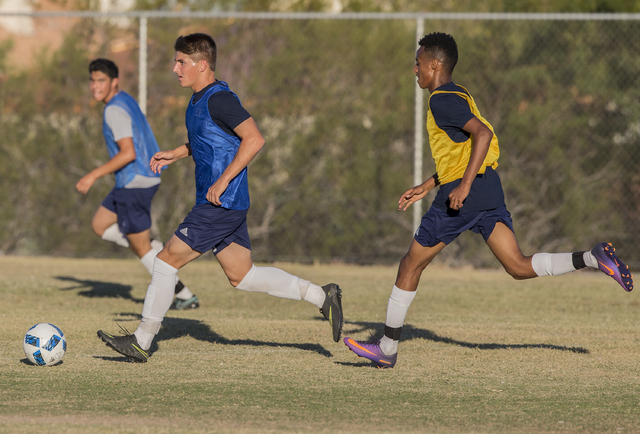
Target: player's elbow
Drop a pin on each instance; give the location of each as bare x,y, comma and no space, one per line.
259,142
128,155
485,135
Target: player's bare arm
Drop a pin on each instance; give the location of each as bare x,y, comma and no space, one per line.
126,155
164,158
482,136
417,193
252,142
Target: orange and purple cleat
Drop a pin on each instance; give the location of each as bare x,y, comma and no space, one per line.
613,267
371,350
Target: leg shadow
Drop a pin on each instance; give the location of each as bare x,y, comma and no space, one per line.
410,332
95,288
173,328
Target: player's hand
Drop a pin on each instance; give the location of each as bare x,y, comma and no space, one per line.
162,159
412,195
85,183
217,190
457,196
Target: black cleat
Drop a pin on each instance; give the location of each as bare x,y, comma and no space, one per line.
127,345
332,308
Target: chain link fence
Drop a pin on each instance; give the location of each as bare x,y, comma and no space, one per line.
335,99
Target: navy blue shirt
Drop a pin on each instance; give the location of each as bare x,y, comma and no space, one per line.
225,109
451,113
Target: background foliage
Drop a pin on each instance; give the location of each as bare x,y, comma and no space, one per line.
334,100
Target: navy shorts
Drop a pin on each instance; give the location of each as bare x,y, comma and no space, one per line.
132,206
441,226
209,227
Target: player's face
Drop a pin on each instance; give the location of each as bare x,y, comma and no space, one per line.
423,69
102,87
186,69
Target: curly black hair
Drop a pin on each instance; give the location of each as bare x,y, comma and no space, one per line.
442,47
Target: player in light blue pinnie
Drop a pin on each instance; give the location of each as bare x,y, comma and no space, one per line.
124,217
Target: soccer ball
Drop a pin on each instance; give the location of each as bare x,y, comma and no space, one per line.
44,344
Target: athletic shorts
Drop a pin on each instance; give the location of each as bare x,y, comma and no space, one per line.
209,227
441,226
132,206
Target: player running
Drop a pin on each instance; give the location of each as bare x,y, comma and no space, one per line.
223,139
470,197
125,214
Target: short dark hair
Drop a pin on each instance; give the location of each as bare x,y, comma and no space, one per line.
442,47
104,65
198,46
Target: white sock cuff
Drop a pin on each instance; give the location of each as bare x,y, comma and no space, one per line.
272,281
148,259
163,268
398,305
246,282
402,297
113,234
552,264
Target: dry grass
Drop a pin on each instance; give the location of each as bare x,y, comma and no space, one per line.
481,353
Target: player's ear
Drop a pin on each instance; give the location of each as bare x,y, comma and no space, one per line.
434,64
115,83
204,65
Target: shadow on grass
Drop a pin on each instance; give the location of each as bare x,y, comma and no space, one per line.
410,332
95,288
173,328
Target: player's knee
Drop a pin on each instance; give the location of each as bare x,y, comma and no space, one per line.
518,272
97,229
412,264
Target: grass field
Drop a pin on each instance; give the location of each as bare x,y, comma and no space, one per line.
480,353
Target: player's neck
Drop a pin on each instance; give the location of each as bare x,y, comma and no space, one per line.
439,81
113,93
204,81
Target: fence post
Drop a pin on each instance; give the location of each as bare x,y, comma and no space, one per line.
418,137
142,66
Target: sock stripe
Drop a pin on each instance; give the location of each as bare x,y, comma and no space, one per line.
578,260
392,332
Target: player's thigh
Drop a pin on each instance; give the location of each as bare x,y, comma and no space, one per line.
177,253
236,262
102,219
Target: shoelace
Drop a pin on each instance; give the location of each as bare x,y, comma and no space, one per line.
123,330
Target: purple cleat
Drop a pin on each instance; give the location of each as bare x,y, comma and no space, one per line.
371,350
610,265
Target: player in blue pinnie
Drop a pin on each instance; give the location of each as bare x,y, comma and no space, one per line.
223,139
470,197
124,217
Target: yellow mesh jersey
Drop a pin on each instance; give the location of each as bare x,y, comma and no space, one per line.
452,158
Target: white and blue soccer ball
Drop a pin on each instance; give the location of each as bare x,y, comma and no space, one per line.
44,344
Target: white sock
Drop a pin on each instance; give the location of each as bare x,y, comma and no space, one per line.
590,260
113,234
272,281
552,264
184,294
312,293
156,302
397,308
148,259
